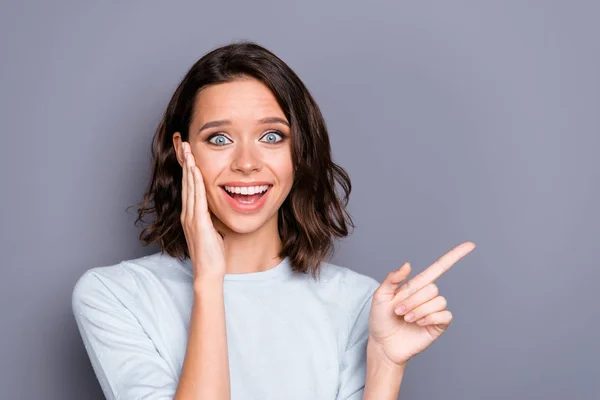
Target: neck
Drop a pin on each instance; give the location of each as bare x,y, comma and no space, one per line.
252,252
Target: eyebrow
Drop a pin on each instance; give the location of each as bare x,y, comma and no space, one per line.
225,122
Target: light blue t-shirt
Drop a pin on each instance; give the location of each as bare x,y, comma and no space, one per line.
289,336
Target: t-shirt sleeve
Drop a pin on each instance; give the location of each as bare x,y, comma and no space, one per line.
122,355
353,366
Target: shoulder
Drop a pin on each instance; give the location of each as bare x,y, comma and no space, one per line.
123,281
347,277
355,288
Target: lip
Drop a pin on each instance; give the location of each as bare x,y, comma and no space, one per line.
246,184
246,208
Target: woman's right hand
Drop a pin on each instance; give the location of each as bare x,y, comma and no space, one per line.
205,244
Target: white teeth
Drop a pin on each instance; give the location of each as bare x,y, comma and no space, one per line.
247,190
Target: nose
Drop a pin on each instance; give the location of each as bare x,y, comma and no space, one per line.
246,159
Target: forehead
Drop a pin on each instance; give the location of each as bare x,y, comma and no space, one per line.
241,99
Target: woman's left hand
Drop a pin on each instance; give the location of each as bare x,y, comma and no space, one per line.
398,335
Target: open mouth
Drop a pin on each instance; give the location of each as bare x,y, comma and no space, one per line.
246,194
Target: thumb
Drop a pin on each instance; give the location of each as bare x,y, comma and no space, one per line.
391,281
217,224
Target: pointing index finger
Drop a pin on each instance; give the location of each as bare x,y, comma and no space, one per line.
443,264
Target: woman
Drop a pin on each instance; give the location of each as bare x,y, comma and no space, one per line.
240,302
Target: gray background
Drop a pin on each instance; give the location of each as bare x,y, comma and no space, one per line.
463,120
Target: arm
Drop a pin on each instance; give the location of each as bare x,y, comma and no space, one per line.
383,380
125,359
123,356
205,371
354,360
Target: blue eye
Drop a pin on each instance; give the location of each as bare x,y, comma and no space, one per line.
272,137
218,139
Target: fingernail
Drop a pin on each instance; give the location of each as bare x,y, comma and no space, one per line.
400,309
409,317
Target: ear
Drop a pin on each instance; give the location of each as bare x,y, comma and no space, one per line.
177,146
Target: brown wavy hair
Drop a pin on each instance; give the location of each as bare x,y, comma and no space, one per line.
312,215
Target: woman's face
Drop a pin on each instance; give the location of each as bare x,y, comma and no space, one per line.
241,142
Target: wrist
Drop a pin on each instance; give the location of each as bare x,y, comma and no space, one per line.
384,377
377,357
206,282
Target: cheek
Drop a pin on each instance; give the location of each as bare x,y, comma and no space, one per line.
284,167
210,171
209,166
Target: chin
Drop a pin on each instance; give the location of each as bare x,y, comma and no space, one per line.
243,224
